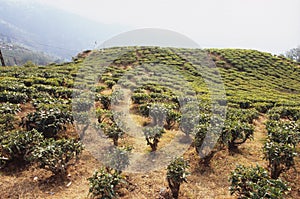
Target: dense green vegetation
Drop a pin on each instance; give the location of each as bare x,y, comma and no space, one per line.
171,91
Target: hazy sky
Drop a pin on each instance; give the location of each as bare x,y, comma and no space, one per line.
268,25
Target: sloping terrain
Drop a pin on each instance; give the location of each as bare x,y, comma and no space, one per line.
43,28
258,87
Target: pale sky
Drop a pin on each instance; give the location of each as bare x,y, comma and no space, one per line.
267,25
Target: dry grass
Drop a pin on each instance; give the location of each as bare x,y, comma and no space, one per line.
211,182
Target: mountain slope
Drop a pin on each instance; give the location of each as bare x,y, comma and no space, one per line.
256,84
50,30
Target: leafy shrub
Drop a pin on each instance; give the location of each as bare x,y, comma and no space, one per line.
98,89
242,115
291,113
172,118
112,124
103,115
81,104
158,114
105,101
8,108
18,144
254,182
188,122
7,122
206,149
220,63
113,131
152,135
13,97
140,98
280,156
49,122
284,131
263,107
118,158
103,183
29,64
144,109
236,133
56,155
245,104
280,146
110,83
176,175
117,96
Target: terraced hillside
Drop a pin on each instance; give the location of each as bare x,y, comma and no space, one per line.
157,102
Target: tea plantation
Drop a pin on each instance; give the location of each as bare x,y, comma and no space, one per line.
246,101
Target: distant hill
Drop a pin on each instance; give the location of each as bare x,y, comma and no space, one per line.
15,54
50,30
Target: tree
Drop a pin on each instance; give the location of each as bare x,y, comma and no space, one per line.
280,147
236,133
294,54
113,131
103,183
117,158
56,155
176,175
254,182
15,146
152,135
206,148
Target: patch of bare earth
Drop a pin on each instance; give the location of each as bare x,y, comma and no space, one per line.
210,182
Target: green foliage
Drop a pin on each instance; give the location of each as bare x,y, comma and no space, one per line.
177,174
6,122
81,104
8,108
152,135
56,155
113,131
291,113
105,101
206,149
140,98
29,64
280,156
103,183
111,124
118,158
242,115
103,115
13,97
280,146
117,96
283,131
255,183
110,83
158,114
263,107
17,145
236,133
49,122
172,117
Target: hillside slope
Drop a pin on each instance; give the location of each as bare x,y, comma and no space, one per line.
258,87
40,27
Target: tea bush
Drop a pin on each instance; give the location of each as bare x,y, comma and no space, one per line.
177,174
152,135
15,146
254,182
103,183
56,155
